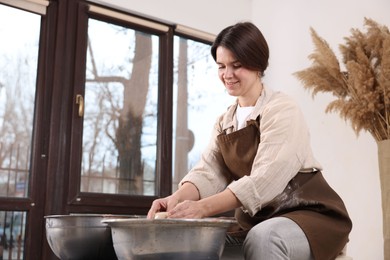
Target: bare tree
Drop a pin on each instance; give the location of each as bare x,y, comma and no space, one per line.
184,137
16,118
128,134
128,123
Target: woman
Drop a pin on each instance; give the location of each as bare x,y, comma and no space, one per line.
260,163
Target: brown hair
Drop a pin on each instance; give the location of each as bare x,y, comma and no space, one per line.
247,43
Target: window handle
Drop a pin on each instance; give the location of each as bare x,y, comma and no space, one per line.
80,102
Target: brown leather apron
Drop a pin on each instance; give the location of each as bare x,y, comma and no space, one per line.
307,199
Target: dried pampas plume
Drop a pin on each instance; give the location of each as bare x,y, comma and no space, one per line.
362,91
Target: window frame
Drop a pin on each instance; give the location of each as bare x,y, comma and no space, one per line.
55,178
34,202
118,203
80,202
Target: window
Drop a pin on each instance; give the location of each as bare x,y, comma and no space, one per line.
198,99
12,232
20,30
18,70
120,119
100,112
126,105
120,97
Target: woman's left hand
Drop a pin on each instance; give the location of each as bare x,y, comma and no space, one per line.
187,209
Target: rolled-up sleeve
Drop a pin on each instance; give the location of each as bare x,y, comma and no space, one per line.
282,152
207,174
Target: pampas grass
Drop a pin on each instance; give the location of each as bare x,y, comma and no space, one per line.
362,87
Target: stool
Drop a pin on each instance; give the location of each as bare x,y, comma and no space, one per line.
235,253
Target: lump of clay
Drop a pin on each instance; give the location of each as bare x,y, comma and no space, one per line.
160,215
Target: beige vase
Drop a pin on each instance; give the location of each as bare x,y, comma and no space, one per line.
384,171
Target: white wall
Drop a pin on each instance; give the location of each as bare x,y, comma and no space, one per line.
350,162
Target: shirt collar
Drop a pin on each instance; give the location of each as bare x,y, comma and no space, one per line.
229,117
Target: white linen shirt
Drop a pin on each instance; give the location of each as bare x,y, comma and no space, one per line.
283,151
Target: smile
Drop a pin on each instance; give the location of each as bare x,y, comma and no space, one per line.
230,83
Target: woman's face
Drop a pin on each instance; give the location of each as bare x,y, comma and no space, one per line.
239,81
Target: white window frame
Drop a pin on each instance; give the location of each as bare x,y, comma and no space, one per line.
35,6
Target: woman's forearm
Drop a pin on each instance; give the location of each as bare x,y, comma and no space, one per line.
187,191
220,203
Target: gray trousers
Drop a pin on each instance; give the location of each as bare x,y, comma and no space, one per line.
274,239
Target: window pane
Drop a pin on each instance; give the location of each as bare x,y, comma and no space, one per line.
199,98
19,32
120,121
12,232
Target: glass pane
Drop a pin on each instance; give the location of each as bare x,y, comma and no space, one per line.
199,98
19,32
12,231
120,121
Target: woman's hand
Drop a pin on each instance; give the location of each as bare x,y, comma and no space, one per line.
187,191
210,206
192,206
164,204
188,209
